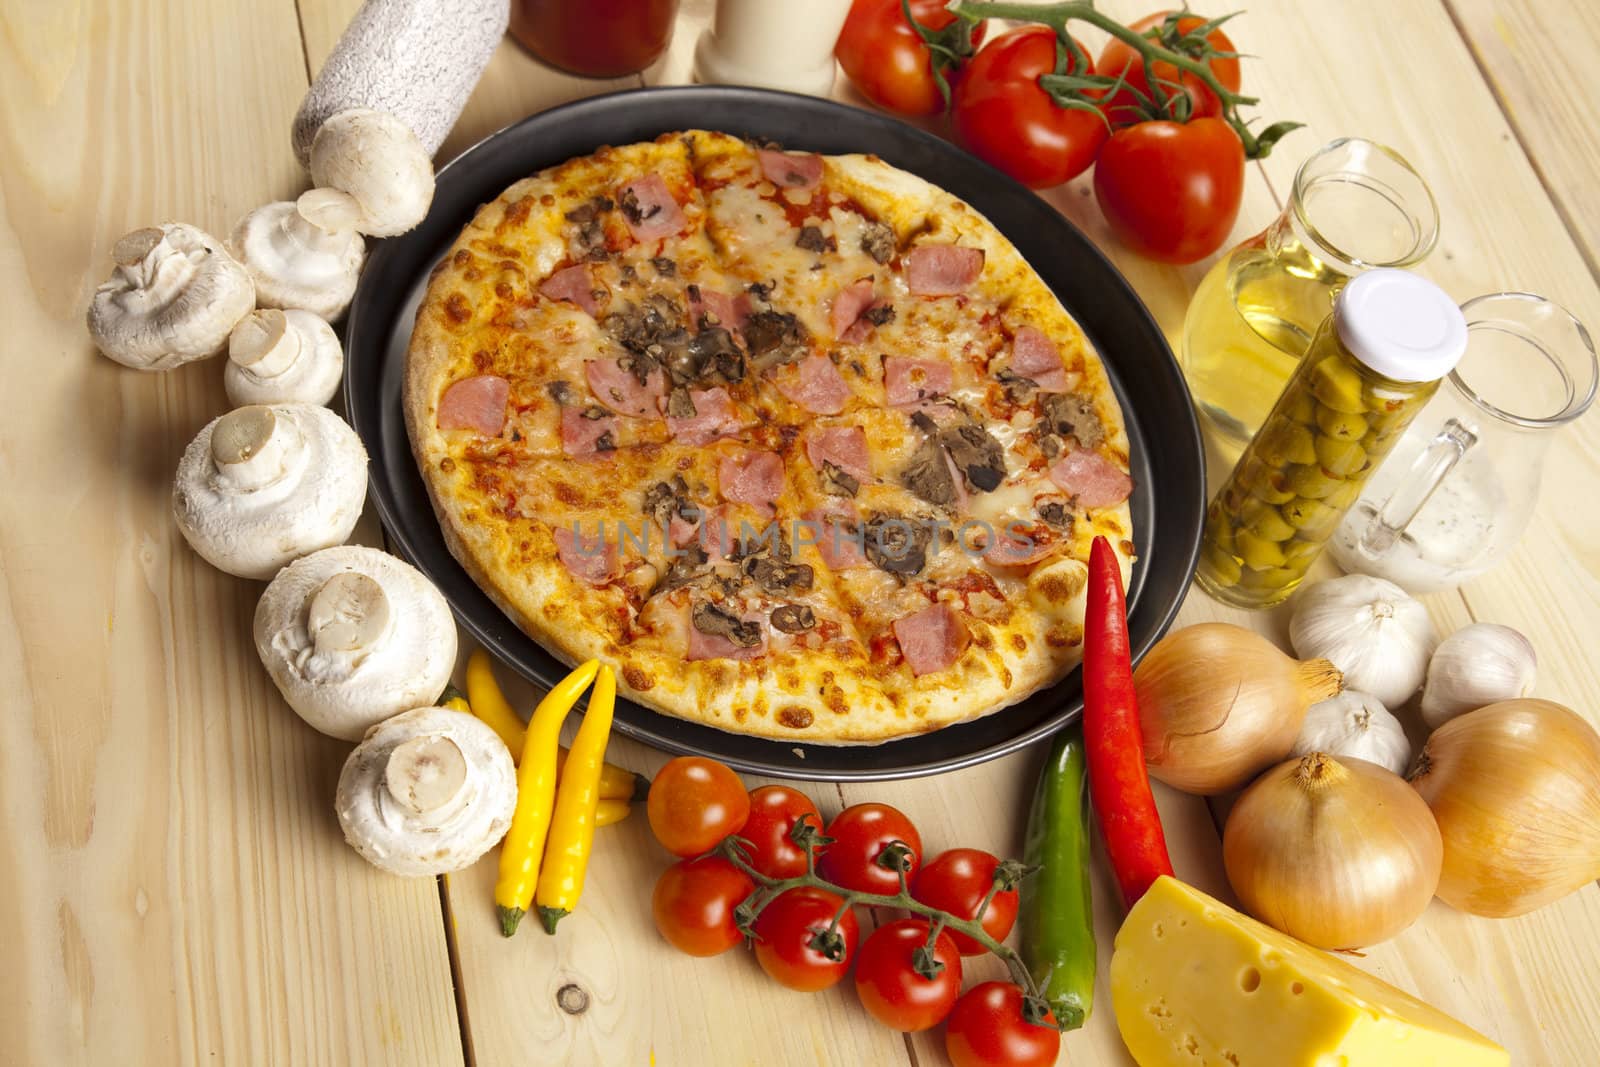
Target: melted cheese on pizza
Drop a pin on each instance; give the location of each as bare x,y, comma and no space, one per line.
801,442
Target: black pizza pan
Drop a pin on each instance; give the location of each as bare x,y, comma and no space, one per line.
1167,459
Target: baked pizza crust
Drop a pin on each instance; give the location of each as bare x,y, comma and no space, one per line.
811,696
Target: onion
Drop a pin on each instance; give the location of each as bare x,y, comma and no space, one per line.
1219,704
1339,853
1515,787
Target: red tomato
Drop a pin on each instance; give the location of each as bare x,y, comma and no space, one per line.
693,904
1118,56
956,881
694,803
774,809
987,1029
784,934
889,985
1171,192
860,833
1000,114
888,60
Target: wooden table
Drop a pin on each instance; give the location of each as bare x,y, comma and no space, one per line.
176,887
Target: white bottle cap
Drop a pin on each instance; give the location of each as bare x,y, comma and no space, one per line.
1401,325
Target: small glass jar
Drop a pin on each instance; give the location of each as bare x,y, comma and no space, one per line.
1372,365
1463,482
595,38
1355,205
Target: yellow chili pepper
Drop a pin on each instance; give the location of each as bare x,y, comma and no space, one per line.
615,783
523,846
489,704
572,829
609,811
451,698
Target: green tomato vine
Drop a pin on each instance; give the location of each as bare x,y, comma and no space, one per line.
895,857
1187,51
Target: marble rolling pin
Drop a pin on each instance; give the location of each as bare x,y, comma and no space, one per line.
415,59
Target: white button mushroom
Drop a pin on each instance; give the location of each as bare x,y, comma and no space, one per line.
304,253
172,298
427,792
261,486
352,635
377,161
282,357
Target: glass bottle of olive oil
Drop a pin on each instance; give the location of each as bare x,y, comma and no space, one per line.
1371,366
1355,205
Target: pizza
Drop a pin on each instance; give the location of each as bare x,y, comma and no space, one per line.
800,443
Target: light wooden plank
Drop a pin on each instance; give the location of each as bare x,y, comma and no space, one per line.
1360,68
179,892
609,948
647,1003
1517,980
1537,56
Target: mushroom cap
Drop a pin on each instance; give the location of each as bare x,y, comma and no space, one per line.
378,161
172,298
277,482
394,824
302,253
282,357
345,659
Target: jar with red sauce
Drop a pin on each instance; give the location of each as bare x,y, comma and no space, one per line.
595,38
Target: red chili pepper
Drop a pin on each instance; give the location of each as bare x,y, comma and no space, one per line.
1119,785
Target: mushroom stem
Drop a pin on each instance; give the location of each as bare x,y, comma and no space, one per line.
131,248
250,447
426,775
155,271
349,613
264,343
324,213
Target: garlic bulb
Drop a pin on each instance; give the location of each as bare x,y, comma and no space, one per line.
1474,667
1355,724
1378,636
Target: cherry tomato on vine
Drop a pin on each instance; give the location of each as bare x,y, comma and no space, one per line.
1002,116
1171,191
774,809
1118,56
888,983
785,930
888,60
694,803
957,881
860,833
693,905
987,1029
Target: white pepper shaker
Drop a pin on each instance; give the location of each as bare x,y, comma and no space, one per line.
772,45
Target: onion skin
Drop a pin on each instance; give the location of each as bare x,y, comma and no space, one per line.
1515,788
1339,853
1219,704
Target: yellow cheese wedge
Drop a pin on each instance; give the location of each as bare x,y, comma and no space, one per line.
1196,984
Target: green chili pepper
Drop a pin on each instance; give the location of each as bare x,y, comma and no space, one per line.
1057,920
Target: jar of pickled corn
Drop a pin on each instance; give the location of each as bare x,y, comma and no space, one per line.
1374,362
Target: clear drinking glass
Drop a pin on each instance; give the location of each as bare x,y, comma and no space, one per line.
1461,485
1355,205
